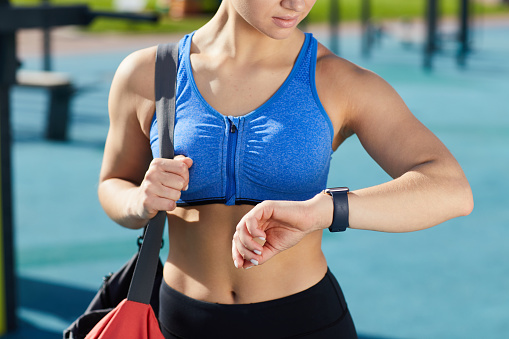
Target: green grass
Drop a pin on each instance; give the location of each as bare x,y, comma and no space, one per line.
350,10
392,9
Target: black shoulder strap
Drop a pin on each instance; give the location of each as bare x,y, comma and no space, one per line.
142,283
165,76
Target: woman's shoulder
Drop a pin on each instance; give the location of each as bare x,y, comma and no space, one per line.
137,69
331,68
341,85
132,89
337,75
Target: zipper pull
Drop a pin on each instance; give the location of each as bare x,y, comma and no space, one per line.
233,128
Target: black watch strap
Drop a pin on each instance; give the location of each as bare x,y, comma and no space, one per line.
340,215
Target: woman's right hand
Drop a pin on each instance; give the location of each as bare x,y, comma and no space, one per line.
162,185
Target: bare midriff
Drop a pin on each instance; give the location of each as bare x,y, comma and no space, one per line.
200,263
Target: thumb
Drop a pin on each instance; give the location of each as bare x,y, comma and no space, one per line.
186,160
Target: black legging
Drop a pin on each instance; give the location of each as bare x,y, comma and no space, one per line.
318,312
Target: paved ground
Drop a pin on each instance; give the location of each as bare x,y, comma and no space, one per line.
451,281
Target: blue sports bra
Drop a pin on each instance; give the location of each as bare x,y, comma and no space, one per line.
279,151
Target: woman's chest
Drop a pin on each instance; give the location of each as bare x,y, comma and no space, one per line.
260,156
236,91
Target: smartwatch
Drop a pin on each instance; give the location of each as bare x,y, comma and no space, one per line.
340,216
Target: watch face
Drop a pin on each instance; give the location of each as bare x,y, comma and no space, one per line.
337,189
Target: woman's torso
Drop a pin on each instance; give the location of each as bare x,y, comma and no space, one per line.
199,263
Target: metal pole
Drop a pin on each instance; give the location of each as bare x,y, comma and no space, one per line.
464,16
431,32
46,41
366,28
334,26
12,19
8,66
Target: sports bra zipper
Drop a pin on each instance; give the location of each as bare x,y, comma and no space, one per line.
231,186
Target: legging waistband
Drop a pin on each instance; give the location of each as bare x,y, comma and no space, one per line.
317,307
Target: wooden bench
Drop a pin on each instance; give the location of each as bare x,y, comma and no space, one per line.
60,89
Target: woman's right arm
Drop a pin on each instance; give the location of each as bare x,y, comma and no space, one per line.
132,186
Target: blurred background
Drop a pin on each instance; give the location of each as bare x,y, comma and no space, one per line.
450,63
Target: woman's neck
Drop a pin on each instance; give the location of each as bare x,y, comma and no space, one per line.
227,33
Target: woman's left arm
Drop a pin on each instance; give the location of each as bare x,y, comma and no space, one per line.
428,186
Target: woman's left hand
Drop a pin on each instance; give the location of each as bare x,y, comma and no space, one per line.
274,226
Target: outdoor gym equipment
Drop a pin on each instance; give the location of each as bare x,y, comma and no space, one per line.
13,18
432,38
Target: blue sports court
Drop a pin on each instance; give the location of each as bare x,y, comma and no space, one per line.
451,281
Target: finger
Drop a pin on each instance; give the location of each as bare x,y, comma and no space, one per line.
256,219
247,239
154,204
238,260
163,204
185,174
174,181
260,240
171,173
249,243
247,255
178,166
169,193
188,161
254,228
163,185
